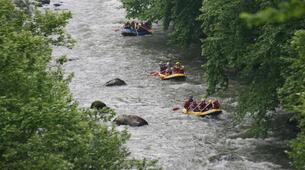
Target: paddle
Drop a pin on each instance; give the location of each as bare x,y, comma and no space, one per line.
155,73
149,30
175,108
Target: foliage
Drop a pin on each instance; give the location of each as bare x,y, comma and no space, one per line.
226,39
291,91
297,153
293,96
180,14
144,9
41,125
143,164
285,11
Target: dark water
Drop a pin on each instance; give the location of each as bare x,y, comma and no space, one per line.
177,140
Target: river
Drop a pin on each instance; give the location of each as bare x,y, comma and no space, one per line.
176,140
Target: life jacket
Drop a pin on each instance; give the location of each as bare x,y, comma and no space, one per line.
181,70
176,69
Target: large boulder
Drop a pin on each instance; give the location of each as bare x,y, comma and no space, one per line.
98,105
131,120
115,82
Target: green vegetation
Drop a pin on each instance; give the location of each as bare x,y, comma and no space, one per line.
41,125
292,91
263,51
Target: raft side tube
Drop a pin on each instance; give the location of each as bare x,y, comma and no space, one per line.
209,112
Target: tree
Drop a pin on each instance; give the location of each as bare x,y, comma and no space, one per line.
42,127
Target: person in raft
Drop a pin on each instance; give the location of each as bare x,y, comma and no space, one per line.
127,25
215,104
188,103
169,69
178,68
212,104
202,105
133,25
162,68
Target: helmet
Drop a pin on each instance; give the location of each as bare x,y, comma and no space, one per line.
177,63
210,101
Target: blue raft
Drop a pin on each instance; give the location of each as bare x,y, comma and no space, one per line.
133,32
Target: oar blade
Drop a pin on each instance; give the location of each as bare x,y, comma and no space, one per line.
176,108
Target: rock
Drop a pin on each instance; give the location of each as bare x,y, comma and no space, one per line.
73,59
98,105
57,5
131,120
44,2
115,82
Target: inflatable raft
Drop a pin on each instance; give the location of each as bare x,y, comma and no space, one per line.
133,32
173,76
209,112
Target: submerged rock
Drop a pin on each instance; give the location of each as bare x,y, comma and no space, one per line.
44,2
131,120
98,105
225,157
115,82
57,5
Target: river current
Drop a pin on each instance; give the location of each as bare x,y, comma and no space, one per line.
176,140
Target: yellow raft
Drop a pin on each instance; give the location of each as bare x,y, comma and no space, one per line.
211,111
172,76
